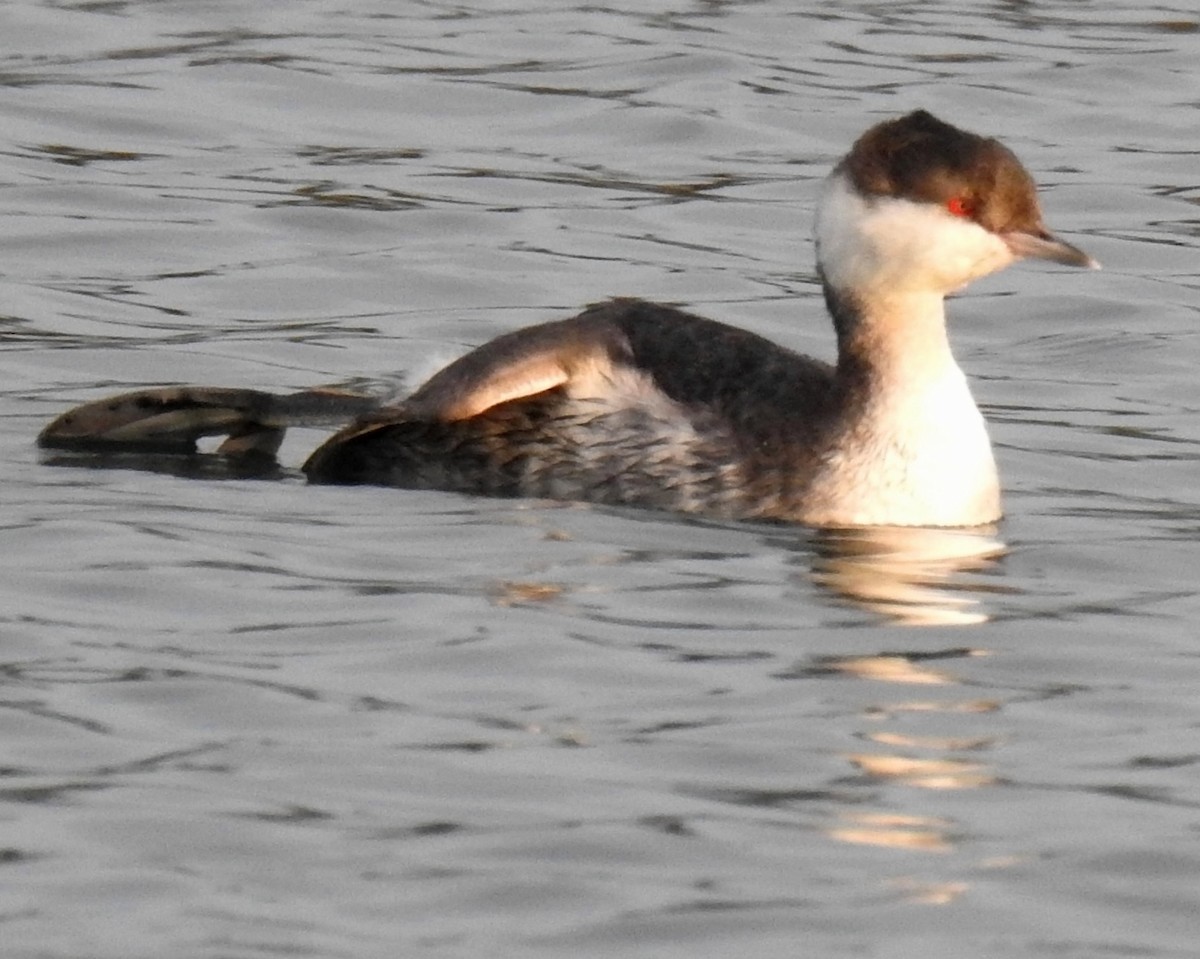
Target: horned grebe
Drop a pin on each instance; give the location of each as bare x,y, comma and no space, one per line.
637,403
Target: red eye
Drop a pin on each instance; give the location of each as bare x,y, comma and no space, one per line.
960,206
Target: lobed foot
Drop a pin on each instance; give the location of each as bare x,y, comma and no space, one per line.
170,420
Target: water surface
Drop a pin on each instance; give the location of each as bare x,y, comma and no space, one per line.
249,718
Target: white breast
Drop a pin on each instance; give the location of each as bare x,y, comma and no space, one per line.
915,458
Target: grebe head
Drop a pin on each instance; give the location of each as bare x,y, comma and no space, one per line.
920,206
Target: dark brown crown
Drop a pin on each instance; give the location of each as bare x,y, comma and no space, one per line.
918,157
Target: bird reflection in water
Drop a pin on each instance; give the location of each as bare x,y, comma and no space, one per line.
949,751
916,576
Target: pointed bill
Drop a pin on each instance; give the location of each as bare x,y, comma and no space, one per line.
1046,246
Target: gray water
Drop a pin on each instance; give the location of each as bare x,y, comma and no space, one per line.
255,719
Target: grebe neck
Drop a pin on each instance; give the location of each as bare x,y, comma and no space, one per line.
895,337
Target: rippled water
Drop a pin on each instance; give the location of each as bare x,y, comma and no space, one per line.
250,719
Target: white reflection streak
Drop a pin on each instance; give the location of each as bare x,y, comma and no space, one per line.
911,575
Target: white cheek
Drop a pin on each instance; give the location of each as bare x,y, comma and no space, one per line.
896,245
970,253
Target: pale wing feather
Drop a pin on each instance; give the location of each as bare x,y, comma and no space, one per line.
567,353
